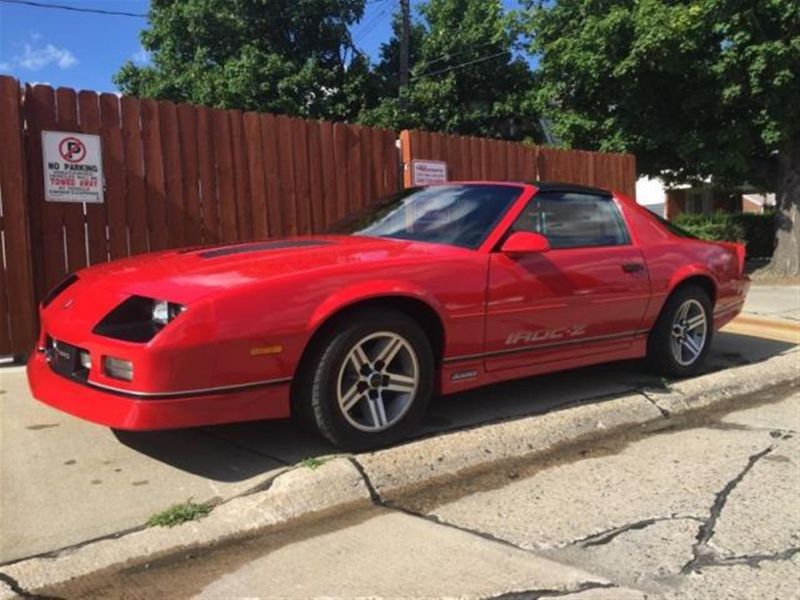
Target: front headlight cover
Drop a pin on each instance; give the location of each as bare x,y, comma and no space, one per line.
164,312
138,319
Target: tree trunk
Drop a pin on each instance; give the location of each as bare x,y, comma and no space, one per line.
786,260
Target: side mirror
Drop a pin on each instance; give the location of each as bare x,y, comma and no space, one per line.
524,242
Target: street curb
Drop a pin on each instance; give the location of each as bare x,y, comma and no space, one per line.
404,470
774,328
348,483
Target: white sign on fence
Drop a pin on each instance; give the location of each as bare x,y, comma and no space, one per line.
428,172
73,167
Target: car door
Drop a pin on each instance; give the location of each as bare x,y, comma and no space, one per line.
586,295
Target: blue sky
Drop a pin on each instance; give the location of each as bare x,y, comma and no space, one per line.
83,51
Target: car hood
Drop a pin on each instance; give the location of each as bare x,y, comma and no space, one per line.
186,275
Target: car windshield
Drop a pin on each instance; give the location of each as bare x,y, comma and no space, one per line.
458,215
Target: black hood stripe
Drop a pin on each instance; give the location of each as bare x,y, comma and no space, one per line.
261,246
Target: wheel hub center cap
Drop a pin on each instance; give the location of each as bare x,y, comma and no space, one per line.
375,381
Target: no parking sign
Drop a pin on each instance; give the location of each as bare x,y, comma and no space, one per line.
73,167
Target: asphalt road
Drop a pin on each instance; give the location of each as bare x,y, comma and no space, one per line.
65,481
708,510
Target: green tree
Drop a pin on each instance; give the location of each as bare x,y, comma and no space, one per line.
695,88
287,56
464,76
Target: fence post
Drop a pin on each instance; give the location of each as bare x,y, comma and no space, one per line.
405,149
17,306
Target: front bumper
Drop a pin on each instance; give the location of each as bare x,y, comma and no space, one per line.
125,411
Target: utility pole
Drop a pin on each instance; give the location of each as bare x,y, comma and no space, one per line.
405,35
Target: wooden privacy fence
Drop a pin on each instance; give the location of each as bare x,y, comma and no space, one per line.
183,175
472,158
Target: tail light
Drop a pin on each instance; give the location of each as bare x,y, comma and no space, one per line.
741,252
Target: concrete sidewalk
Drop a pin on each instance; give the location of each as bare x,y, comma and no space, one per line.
776,301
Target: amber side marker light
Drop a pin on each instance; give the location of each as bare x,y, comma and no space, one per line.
263,350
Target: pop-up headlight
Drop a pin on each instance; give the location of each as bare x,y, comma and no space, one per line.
138,319
164,312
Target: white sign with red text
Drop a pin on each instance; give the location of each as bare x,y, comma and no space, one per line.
428,172
73,167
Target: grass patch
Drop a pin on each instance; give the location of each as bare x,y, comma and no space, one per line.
312,462
179,513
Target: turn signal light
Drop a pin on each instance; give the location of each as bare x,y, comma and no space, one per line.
118,368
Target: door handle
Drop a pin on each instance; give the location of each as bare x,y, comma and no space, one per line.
632,267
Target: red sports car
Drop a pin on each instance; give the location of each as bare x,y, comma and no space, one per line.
436,290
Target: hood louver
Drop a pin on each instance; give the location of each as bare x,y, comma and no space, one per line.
260,247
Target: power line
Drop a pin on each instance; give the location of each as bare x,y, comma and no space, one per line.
97,11
461,65
427,63
367,29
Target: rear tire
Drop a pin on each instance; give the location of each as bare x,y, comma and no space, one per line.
680,340
368,380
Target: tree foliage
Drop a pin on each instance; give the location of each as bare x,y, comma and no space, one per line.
465,77
286,56
695,88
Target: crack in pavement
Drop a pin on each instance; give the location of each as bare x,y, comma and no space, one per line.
703,555
664,412
15,587
604,537
754,560
528,594
534,594
388,504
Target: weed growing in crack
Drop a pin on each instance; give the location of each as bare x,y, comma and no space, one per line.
180,513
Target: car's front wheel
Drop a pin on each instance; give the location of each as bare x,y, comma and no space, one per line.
369,380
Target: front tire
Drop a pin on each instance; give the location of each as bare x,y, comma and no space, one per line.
368,381
681,338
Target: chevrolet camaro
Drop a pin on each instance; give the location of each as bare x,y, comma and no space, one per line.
438,289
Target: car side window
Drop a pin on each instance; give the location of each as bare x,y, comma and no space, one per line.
574,220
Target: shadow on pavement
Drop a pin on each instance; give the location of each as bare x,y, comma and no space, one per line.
269,444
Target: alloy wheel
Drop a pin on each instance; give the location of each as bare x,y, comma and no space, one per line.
378,381
689,332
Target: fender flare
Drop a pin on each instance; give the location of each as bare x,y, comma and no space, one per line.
371,290
685,273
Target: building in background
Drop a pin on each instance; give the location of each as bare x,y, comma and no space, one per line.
758,203
702,199
652,194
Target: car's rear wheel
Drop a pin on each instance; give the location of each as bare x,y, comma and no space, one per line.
368,381
681,338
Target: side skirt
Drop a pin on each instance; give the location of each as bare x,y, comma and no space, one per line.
469,374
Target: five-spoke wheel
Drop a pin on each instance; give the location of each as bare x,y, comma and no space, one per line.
689,332
680,339
367,381
378,381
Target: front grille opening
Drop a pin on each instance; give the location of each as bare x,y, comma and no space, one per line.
66,359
